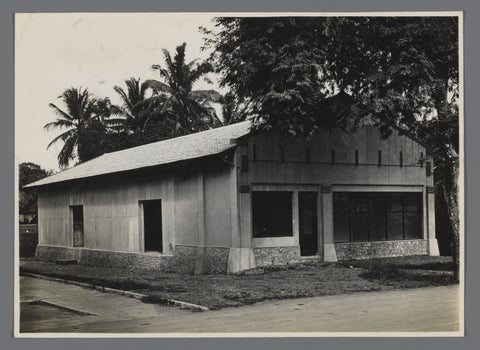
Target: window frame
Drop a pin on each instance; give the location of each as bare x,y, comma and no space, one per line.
384,199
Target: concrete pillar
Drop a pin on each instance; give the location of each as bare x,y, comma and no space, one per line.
295,218
320,223
245,218
200,266
432,239
240,255
329,253
240,258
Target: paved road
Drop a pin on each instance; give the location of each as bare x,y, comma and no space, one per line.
420,310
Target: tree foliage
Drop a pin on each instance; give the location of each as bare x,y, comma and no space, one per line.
150,111
400,71
28,173
396,68
85,119
190,109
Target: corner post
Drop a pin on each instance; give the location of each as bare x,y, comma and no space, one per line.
329,253
240,256
432,239
200,268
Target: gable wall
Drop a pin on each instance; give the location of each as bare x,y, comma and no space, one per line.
295,169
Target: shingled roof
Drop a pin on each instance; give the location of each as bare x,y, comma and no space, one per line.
192,146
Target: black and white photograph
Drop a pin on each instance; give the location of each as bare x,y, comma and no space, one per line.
239,174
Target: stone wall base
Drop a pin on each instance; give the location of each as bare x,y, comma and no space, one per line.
213,260
371,250
267,256
182,261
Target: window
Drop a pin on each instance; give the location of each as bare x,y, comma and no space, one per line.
244,163
77,220
365,216
356,157
272,214
282,153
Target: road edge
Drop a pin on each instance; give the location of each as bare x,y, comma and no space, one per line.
135,295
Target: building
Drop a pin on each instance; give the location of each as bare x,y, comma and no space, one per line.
228,199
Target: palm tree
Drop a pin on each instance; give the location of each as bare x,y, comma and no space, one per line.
83,119
132,102
190,109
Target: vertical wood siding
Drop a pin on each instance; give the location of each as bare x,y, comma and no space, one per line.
296,169
217,208
111,212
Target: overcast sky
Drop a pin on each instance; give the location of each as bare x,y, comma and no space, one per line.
54,52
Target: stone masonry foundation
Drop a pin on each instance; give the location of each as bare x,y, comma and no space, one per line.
276,255
370,250
182,260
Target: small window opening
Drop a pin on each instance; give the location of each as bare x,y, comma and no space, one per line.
282,153
244,163
379,158
356,157
332,152
77,219
401,158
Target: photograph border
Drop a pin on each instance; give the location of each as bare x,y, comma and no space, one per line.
461,201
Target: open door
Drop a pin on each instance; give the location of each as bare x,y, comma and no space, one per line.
152,225
307,211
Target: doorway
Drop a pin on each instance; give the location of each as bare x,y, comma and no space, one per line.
307,212
152,225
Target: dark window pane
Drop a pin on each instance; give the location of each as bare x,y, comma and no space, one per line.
394,226
412,201
359,227
272,214
376,202
395,202
359,203
376,225
340,228
413,226
340,203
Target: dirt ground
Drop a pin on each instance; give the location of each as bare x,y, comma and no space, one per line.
273,283
48,306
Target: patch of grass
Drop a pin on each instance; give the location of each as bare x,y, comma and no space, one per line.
268,283
419,271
